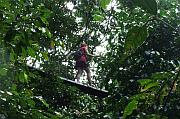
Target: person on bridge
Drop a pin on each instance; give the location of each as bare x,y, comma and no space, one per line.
81,62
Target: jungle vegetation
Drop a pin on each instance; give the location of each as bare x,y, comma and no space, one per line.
139,67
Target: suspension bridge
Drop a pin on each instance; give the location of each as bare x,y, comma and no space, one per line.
83,88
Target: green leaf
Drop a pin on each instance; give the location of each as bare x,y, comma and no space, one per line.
44,20
161,75
52,116
12,56
45,55
4,4
14,87
31,103
129,108
46,12
97,17
148,5
24,52
31,52
23,77
155,116
48,33
52,44
135,37
150,86
144,81
3,71
147,84
62,45
104,3
139,96
44,102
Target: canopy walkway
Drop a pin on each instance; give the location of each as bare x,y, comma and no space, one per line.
84,88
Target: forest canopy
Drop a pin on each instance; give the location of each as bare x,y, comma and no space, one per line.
139,65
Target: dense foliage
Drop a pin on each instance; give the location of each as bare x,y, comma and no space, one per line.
140,67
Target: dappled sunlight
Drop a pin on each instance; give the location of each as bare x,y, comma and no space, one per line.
89,59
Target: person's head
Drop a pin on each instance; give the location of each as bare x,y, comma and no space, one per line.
83,45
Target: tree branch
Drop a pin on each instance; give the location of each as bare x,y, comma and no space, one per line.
169,93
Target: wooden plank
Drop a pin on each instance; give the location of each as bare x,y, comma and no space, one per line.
86,89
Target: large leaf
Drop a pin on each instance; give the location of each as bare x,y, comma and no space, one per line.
144,81
31,103
129,108
23,77
147,84
31,52
42,100
150,85
161,75
97,17
104,3
3,71
4,4
48,33
140,96
148,5
45,55
135,37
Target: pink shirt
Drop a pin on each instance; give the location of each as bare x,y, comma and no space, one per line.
84,56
